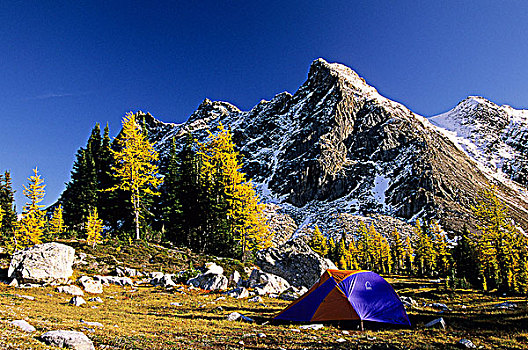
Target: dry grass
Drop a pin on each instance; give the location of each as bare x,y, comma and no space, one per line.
143,318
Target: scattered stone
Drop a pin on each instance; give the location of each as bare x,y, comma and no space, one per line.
119,281
28,297
220,298
256,299
506,305
294,261
90,285
42,263
435,281
70,289
439,306
92,324
436,323
213,268
466,344
96,300
176,304
315,326
13,283
219,308
234,279
345,332
77,301
127,272
266,282
408,302
238,293
295,330
293,293
235,316
261,335
209,281
23,325
340,340
68,339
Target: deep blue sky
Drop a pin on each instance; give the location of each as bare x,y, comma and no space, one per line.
66,65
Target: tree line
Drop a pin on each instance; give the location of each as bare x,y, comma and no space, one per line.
492,257
203,201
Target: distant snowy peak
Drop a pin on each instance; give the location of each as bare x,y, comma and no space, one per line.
494,136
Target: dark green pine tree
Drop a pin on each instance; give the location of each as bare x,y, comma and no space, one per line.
170,206
80,195
108,205
189,213
464,258
7,203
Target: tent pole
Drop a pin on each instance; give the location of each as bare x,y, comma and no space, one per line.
362,329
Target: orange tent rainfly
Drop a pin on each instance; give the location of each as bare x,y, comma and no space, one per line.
348,295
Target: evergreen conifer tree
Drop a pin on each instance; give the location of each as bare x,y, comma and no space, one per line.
7,200
29,229
56,227
318,242
235,212
495,241
135,166
94,228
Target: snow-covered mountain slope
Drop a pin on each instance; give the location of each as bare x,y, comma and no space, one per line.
494,136
336,146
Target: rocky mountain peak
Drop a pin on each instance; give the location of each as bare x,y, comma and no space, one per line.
322,72
336,146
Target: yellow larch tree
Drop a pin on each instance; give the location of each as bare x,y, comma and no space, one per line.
318,242
236,213
94,228
30,228
56,225
495,241
136,165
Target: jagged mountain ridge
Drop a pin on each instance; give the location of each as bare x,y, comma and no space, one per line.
337,146
494,136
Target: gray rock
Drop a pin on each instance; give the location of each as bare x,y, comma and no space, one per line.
293,293
28,297
77,301
42,263
213,268
439,306
315,326
238,293
466,344
68,339
267,283
92,324
70,289
13,283
127,272
119,281
166,281
235,316
96,300
234,279
436,323
23,325
90,285
209,281
294,261
408,302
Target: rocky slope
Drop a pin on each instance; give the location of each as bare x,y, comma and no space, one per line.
337,147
